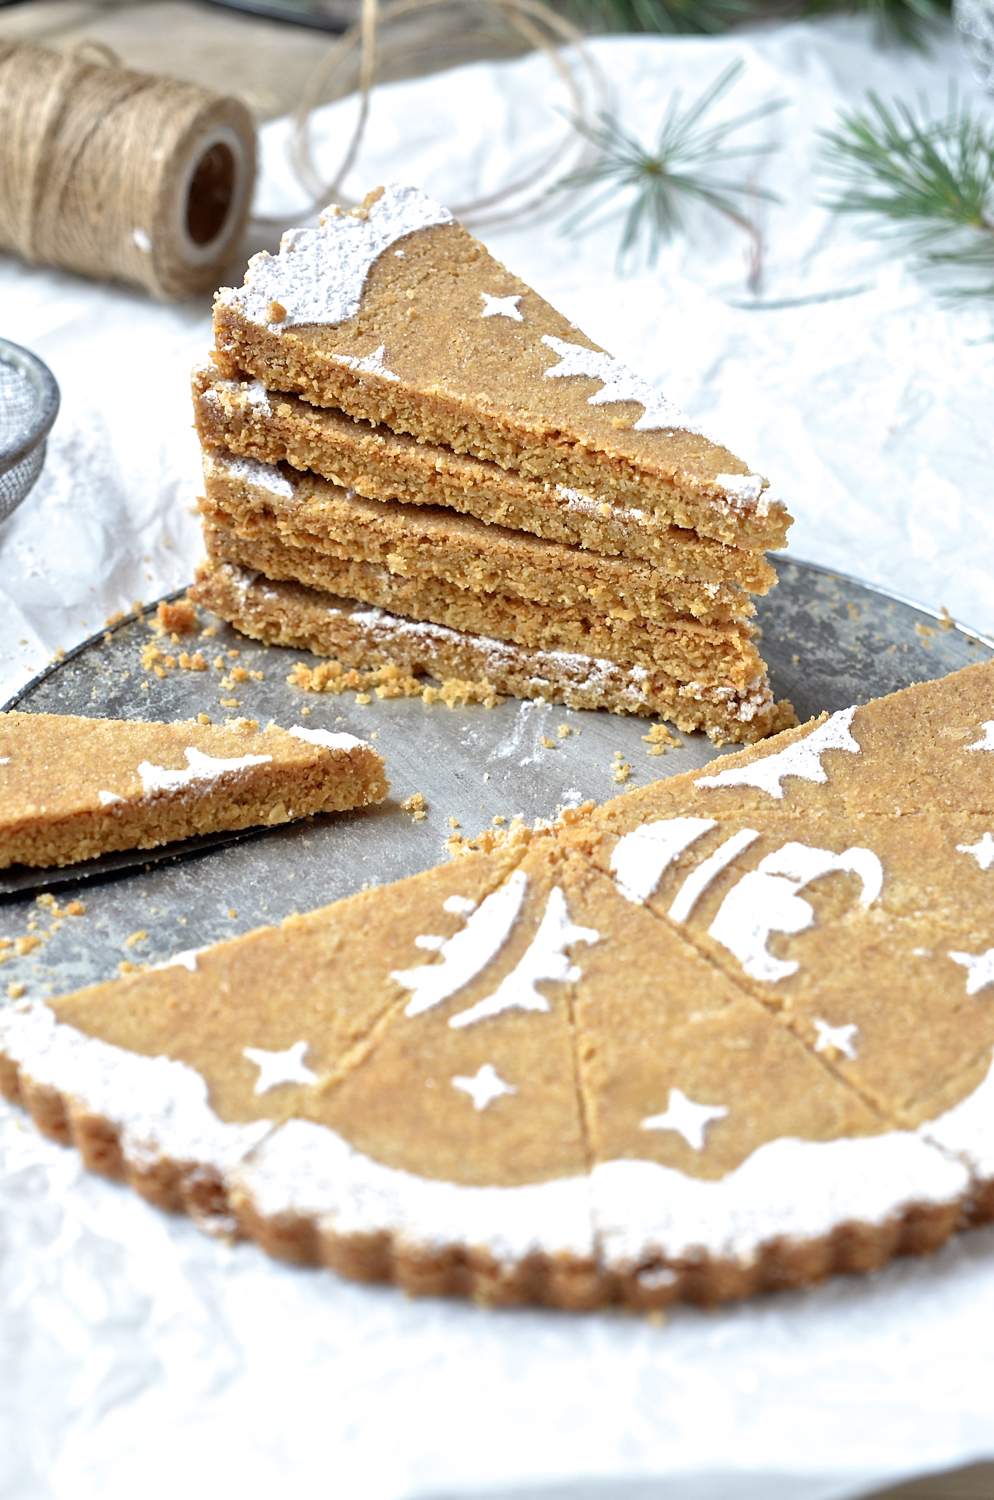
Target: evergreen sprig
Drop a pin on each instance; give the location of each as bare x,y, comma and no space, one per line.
902,20
928,181
661,179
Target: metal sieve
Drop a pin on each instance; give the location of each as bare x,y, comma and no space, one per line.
29,404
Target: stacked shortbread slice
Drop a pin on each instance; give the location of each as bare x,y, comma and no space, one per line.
410,457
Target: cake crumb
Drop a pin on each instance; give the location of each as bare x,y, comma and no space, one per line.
926,632
416,804
239,674
549,744
621,769
563,731
209,631
231,703
203,718
659,739
136,937
114,619
219,663
15,990
363,698
179,616
454,823
26,944
75,909
232,912
194,663
946,621
125,967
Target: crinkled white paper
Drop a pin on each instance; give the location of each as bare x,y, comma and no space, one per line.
138,1357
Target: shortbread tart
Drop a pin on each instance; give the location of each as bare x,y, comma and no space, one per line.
288,613
272,427
394,315
732,1032
74,788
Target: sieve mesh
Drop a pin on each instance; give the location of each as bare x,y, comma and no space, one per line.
29,401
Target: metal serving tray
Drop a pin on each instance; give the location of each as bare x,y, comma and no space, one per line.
829,642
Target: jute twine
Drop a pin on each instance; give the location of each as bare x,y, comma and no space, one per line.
120,175
541,27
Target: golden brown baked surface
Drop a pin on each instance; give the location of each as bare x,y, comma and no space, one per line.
273,427
73,788
391,315
288,613
730,1032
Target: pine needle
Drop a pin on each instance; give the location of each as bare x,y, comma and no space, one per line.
660,180
930,180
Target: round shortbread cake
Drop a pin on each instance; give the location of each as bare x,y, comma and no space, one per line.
729,1032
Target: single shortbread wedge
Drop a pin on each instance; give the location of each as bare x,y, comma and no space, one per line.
260,501
74,788
288,613
394,314
273,427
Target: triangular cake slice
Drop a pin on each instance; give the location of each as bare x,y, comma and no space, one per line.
395,315
73,788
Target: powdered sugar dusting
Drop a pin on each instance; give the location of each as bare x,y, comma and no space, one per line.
467,953
801,759
788,1188
250,471
766,900
319,274
698,880
544,959
640,857
369,364
326,739
620,384
200,768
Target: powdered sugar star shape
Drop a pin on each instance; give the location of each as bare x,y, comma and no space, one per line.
280,1067
980,968
484,1087
687,1118
501,307
839,1037
983,852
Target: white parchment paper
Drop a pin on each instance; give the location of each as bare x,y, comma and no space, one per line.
137,1356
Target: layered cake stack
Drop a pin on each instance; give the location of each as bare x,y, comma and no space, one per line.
411,457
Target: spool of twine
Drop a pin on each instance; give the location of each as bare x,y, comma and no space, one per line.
119,175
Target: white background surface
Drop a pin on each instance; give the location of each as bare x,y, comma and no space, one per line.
138,1357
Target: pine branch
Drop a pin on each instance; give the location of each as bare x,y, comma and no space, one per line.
677,169
906,21
928,180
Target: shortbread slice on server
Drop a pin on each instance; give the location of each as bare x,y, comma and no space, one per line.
73,788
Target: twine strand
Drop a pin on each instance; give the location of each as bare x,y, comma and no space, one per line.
523,16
